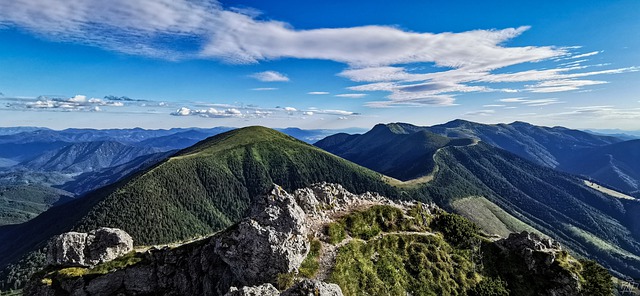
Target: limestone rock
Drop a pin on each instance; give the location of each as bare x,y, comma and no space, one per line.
262,290
309,287
272,241
67,249
88,249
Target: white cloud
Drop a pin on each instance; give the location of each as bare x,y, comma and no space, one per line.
75,103
270,76
561,85
318,93
353,96
487,112
493,106
211,112
264,88
308,113
290,109
183,111
584,55
531,103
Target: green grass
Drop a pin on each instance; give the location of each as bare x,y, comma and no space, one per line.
310,265
489,217
128,259
401,265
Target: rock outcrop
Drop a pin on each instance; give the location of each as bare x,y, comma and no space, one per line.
76,249
309,287
273,240
533,265
262,290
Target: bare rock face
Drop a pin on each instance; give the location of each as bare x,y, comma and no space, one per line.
536,251
531,267
262,290
88,249
272,241
309,287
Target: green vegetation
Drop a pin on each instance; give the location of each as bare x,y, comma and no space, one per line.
597,280
402,264
336,232
121,262
393,254
490,287
490,218
20,203
310,265
457,230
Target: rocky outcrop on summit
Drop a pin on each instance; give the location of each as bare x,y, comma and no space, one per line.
533,265
88,249
272,241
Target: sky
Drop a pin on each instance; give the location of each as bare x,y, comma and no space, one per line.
318,64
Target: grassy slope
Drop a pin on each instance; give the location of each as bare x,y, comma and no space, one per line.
489,217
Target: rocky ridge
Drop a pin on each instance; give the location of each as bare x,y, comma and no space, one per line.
272,240
249,257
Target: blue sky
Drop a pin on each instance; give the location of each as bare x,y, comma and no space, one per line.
318,64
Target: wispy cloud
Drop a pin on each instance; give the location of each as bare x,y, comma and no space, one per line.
270,76
318,93
264,88
353,96
75,103
532,103
486,112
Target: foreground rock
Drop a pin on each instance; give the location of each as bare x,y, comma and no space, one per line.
76,249
272,241
533,265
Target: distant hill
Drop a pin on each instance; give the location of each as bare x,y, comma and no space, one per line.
616,165
503,191
392,149
547,146
93,180
87,157
20,203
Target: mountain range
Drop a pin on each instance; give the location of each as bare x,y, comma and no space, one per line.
462,166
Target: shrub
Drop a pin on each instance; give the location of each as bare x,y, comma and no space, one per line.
597,280
457,230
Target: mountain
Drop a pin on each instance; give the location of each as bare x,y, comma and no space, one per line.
200,190
548,146
503,192
89,181
86,157
393,150
20,203
616,165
